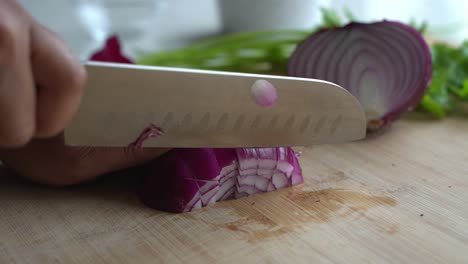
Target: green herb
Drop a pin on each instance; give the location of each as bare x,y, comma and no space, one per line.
449,80
264,52
422,27
258,52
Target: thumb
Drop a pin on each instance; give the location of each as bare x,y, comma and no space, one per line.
49,161
92,161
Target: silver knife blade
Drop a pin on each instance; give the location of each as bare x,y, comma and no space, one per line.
201,108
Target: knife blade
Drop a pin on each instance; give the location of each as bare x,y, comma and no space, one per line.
202,108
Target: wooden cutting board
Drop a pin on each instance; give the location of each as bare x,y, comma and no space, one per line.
400,197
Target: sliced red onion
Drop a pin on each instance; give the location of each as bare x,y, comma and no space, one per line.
167,185
264,93
387,65
152,131
183,180
186,179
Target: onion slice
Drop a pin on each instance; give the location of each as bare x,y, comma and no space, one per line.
264,93
152,131
386,65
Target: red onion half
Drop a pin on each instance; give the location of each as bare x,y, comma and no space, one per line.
387,65
183,180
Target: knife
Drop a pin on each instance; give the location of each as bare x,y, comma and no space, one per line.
202,108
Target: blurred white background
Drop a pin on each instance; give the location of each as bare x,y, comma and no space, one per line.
166,24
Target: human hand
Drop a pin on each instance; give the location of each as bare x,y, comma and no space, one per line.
41,83
40,80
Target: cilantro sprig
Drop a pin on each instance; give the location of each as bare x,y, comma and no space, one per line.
449,85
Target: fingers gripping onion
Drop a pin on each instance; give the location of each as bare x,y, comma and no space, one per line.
386,65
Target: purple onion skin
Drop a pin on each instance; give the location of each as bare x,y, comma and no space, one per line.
183,180
421,63
111,52
161,188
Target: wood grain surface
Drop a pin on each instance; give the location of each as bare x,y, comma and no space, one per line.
399,197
